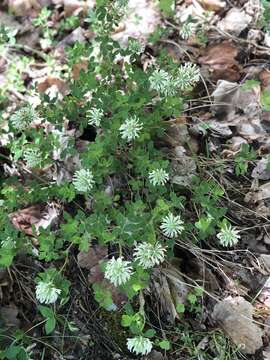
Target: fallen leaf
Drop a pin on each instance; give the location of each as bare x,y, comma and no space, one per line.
260,171
92,257
170,289
74,7
39,215
212,5
234,315
235,21
221,60
9,317
78,67
24,7
141,20
76,36
48,82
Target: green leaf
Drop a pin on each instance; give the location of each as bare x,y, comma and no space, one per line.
50,325
126,320
46,311
192,298
180,308
150,333
265,100
167,6
165,344
137,287
249,84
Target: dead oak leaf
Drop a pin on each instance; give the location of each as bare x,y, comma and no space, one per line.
212,5
221,60
38,215
24,7
92,257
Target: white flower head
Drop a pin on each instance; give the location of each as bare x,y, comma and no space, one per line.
139,345
94,116
162,82
149,255
172,225
135,46
46,292
83,180
21,119
158,177
130,128
188,29
187,76
228,236
118,271
32,157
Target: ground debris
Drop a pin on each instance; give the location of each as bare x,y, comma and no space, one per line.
234,315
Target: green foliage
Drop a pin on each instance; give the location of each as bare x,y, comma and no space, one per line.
50,320
242,159
109,198
265,100
167,6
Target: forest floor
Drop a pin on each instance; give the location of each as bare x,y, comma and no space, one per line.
222,136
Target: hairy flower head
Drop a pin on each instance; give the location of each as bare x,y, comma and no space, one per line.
46,292
187,30
22,118
118,271
94,116
162,82
228,236
187,76
158,177
139,345
130,128
149,255
172,225
32,157
83,180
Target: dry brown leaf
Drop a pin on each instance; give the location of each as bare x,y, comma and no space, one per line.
74,7
8,316
92,257
234,316
222,62
39,215
48,81
212,5
24,7
258,194
77,68
141,20
235,21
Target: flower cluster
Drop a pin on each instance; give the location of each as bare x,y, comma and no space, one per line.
187,76
135,47
94,116
139,345
228,236
130,128
172,225
83,180
188,29
162,82
21,119
158,177
46,292
32,157
167,85
149,255
118,271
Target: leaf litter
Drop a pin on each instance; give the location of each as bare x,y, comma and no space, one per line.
235,111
